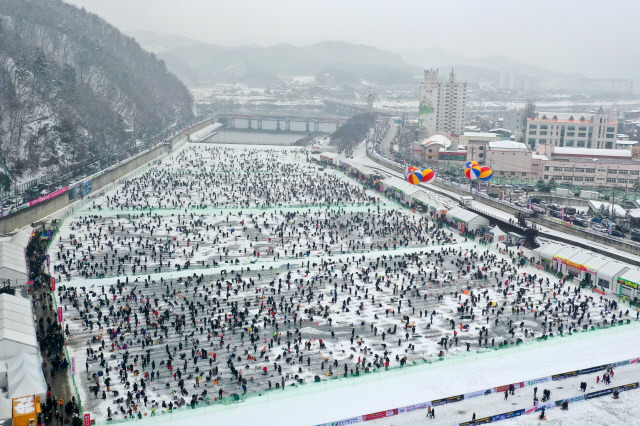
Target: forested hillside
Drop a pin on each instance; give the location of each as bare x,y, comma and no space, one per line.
74,88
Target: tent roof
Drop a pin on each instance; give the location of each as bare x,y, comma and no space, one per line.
497,231
581,257
595,262
550,250
632,275
610,270
567,252
12,257
21,238
15,326
401,184
27,382
16,300
426,198
18,337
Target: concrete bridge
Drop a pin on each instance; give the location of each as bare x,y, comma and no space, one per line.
280,123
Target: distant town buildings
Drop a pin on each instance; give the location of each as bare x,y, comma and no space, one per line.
442,105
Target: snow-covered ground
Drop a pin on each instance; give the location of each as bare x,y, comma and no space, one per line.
345,283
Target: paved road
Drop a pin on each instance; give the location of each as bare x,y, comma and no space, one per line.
61,382
385,145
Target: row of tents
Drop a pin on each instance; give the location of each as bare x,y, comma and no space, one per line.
606,275
21,372
414,196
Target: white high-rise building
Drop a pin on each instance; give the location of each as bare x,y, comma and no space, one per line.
442,105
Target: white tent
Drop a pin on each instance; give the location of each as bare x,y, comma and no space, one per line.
6,407
21,238
471,220
29,382
21,367
497,234
609,273
548,251
426,199
13,265
17,333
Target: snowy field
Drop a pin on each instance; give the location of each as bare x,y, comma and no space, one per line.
225,270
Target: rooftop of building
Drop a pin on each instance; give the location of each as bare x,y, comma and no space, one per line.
569,117
480,134
508,145
590,152
437,139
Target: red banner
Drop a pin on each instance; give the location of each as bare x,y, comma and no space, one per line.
53,283
60,314
380,415
87,419
48,196
506,387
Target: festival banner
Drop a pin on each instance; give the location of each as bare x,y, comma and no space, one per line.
48,196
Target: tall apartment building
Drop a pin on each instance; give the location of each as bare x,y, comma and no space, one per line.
442,105
579,130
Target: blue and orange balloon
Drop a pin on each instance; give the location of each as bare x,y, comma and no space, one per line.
414,177
427,175
486,173
408,171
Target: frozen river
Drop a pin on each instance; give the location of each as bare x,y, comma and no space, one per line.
225,270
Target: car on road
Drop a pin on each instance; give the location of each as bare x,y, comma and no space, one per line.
635,238
622,227
635,232
599,228
617,233
596,220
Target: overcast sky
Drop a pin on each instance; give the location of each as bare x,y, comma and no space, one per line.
597,38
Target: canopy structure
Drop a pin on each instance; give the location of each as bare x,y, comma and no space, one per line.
17,333
546,253
21,238
497,234
608,274
628,282
468,220
426,199
404,189
13,265
20,364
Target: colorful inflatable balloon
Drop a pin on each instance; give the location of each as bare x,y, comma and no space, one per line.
408,171
472,172
471,164
486,173
415,177
427,175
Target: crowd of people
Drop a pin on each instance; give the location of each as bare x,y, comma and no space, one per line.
63,409
281,297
